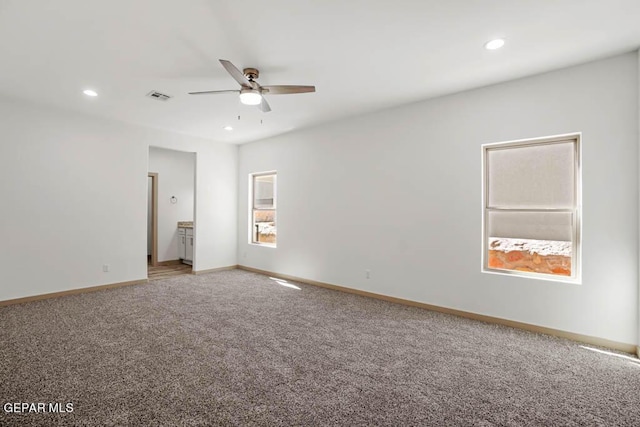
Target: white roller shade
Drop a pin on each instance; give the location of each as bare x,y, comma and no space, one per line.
537,176
530,225
263,191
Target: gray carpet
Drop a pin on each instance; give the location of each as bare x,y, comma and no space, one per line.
237,348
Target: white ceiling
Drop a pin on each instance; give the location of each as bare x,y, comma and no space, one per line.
362,55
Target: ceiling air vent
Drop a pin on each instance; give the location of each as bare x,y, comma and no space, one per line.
159,96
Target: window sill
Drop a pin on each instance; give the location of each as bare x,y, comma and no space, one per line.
535,276
266,245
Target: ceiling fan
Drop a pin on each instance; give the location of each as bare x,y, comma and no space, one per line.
251,93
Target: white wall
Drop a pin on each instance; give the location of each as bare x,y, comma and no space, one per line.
176,177
73,196
398,193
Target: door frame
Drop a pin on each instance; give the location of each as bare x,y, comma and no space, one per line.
154,218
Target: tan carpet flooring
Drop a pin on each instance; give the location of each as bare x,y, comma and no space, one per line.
235,348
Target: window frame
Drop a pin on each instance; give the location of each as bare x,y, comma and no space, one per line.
252,208
576,210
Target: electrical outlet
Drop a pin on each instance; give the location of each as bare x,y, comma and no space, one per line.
367,274
105,268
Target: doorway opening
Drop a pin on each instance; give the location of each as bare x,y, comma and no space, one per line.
171,213
152,219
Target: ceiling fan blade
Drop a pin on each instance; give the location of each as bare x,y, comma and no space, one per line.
264,106
213,92
236,74
288,89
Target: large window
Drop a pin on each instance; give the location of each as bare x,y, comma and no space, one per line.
531,208
263,208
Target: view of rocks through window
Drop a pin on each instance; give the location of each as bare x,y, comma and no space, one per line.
536,256
265,223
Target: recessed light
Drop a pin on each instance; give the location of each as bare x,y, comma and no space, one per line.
227,128
90,92
494,44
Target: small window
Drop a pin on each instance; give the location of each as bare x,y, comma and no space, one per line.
531,208
263,208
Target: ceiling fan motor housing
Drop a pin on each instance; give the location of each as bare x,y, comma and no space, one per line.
251,73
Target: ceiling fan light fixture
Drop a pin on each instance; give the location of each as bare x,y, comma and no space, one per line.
250,97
